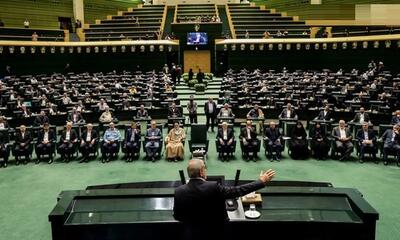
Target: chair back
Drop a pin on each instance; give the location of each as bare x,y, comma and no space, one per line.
198,133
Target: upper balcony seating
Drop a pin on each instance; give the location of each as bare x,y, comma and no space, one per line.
139,24
256,21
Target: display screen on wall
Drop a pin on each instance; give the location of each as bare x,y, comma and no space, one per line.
197,38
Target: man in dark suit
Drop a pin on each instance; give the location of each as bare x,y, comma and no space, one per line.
89,141
173,111
75,117
67,143
391,142
367,140
343,139
200,76
210,109
22,141
200,205
142,113
396,118
325,114
41,119
249,141
288,113
225,138
45,142
273,137
4,153
132,142
361,116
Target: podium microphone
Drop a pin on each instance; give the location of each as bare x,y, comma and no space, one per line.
182,176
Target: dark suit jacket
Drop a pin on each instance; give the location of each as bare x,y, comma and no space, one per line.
284,114
94,135
40,120
395,120
72,136
387,136
200,77
371,135
141,114
357,117
129,133
174,112
52,136
327,117
272,134
336,133
243,134
4,137
27,138
220,134
202,202
78,117
206,111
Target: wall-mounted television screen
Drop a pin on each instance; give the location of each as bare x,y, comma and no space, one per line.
197,38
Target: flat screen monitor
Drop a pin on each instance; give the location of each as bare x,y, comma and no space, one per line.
197,38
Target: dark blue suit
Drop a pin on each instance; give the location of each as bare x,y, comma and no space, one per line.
200,206
391,143
132,145
367,147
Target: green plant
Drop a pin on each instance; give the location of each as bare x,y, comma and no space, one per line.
192,83
200,87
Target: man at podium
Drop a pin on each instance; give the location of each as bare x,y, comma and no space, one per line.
200,205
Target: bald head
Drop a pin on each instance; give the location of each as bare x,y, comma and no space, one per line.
196,168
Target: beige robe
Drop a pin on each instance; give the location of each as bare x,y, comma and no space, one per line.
175,148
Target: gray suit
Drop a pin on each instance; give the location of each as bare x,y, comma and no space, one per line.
345,147
391,142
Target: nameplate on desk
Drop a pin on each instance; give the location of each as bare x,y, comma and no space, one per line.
252,199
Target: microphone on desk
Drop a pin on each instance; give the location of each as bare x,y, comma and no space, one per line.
232,204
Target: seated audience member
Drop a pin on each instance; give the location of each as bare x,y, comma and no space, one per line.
288,113
67,143
3,123
391,143
25,111
112,137
75,117
361,117
248,137
106,116
273,137
173,111
35,37
225,137
319,142
65,99
256,112
396,118
89,140
46,140
142,113
4,141
132,142
366,138
41,119
175,139
226,111
23,139
325,114
102,105
80,107
153,137
298,142
343,137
